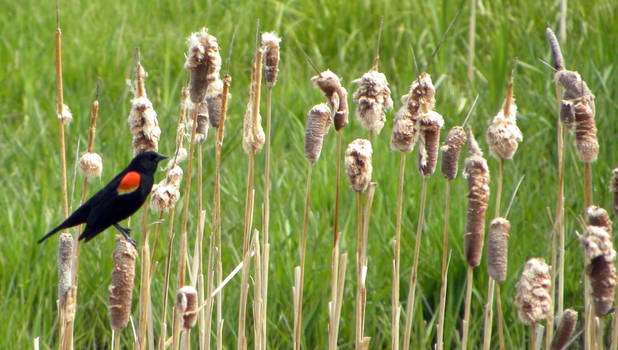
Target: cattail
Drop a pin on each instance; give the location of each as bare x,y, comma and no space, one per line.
373,99
186,306
600,269
497,248
337,95
121,288
65,256
597,216
430,124
455,140
318,125
358,164
143,120
203,63
270,49
201,130
477,173
214,100
91,165
421,97
566,326
533,298
503,135
613,187
253,137
405,131
66,116
166,193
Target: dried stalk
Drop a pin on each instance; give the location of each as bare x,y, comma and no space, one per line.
299,310
466,319
395,307
442,306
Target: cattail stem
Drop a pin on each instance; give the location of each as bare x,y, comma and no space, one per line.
533,336
336,225
471,37
499,190
115,340
168,262
559,276
266,218
466,319
144,295
488,314
614,342
303,246
442,305
359,252
413,276
337,282
587,185
588,319
500,316
396,261
563,14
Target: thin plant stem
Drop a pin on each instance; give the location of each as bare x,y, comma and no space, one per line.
359,248
488,314
466,320
144,294
533,336
499,190
333,320
471,38
563,13
443,285
587,185
363,262
115,340
559,275
168,261
336,225
413,276
266,219
500,316
303,247
588,320
614,342
396,260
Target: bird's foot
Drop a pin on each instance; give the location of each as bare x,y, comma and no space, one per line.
131,240
126,233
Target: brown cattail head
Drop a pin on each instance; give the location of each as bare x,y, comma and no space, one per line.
318,124
186,306
566,326
597,216
613,187
503,135
498,248
373,99
358,164
270,50
91,165
253,137
121,288
166,193
601,270
65,263
203,62
337,96
586,143
214,100
451,148
405,130
66,117
421,97
477,173
201,130
430,124
533,298
143,120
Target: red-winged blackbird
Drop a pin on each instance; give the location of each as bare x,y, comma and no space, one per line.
118,200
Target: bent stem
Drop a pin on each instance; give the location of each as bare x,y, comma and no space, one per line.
303,246
466,319
396,260
443,285
413,276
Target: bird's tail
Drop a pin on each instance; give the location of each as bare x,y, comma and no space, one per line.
50,233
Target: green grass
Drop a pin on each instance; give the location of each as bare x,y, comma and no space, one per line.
99,39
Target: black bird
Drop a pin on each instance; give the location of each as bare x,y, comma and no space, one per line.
118,200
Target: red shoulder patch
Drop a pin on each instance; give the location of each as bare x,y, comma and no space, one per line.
129,183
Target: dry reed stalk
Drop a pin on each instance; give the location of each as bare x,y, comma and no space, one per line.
395,306
451,148
533,298
613,187
471,39
362,287
258,299
564,329
270,47
253,141
337,286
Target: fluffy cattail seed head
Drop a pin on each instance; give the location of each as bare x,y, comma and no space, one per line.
597,216
477,173
166,193
318,124
270,49
253,136
497,248
186,306
121,288
143,119
451,148
66,117
566,326
421,97
358,164
405,131
598,242
613,187
430,124
214,100
65,263
203,62
586,143
337,96
533,298
91,165
503,135
600,269
373,99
